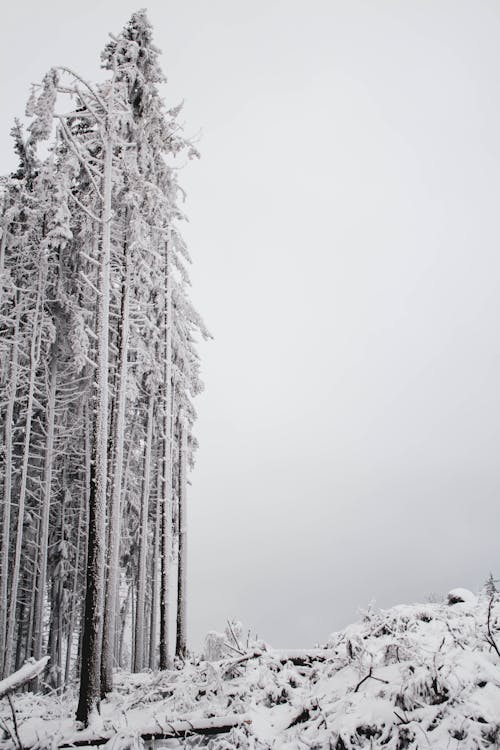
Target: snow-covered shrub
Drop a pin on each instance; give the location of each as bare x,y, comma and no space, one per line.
411,677
213,649
461,596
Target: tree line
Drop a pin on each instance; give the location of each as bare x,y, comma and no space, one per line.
98,370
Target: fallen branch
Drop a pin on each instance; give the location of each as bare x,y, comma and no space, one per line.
490,638
368,676
231,630
236,662
173,730
14,722
299,657
233,648
28,672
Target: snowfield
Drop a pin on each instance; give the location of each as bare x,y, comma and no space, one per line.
414,676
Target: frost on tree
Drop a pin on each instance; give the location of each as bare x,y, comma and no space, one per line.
98,371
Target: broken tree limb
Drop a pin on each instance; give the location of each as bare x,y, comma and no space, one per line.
490,638
368,677
237,662
299,657
28,672
171,730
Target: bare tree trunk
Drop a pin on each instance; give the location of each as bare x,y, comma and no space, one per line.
117,619
21,617
43,537
72,618
34,355
56,610
123,622
31,619
90,677
155,582
88,490
166,505
140,613
3,247
181,640
7,489
110,612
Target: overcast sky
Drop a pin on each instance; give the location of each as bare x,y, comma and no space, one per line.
345,230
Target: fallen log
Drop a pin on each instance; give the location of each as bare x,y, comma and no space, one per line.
172,730
237,662
28,672
300,657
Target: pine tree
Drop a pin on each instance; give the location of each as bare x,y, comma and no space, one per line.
99,368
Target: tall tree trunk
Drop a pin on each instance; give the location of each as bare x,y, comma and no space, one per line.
110,611
90,676
34,355
43,537
3,248
181,640
140,614
123,623
155,580
88,491
31,617
22,607
166,505
72,617
7,488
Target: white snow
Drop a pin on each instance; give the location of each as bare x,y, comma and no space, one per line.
26,673
413,676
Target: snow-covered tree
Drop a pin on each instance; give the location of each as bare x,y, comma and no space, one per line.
98,369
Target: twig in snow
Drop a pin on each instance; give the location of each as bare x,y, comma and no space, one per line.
424,733
236,650
379,679
7,730
490,638
402,721
253,655
238,645
455,639
14,721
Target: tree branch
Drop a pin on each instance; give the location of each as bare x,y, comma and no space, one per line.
379,679
182,729
28,672
490,638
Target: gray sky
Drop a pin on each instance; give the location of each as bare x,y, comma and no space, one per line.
345,228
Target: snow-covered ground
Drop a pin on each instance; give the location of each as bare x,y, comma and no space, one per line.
414,676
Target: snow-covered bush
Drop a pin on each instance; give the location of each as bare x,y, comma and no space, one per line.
411,677
213,649
461,596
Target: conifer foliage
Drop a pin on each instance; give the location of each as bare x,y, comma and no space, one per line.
98,368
